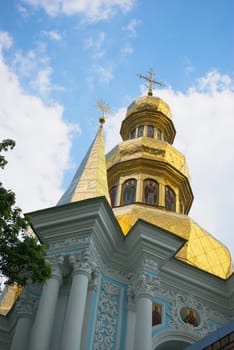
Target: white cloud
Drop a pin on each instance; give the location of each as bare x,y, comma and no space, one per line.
5,41
26,63
52,34
112,128
35,66
22,10
43,140
130,28
203,117
215,82
42,82
103,74
96,45
127,50
188,66
92,10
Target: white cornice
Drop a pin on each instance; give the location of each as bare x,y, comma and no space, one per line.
91,224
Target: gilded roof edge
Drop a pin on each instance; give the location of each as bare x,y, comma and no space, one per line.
202,250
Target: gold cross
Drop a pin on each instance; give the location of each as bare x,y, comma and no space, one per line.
104,108
151,81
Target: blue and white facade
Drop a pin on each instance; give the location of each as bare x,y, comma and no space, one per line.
104,285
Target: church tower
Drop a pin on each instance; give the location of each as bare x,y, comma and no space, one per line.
130,269
149,180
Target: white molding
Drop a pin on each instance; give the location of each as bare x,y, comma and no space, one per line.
170,335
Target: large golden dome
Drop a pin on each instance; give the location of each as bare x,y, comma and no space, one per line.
201,250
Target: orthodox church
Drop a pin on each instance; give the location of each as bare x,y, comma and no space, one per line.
130,269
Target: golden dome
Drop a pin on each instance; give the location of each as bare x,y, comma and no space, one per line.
151,103
149,110
201,249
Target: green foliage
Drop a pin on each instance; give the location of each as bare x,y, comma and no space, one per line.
21,256
4,145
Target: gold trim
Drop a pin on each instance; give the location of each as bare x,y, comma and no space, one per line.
10,295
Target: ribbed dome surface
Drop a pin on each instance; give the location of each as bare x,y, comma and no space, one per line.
202,250
149,103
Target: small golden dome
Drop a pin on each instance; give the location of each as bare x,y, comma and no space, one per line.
146,111
201,250
151,103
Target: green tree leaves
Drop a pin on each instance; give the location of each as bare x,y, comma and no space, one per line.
21,255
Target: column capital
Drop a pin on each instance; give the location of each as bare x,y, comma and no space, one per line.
145,285
83,263
26,306
56,263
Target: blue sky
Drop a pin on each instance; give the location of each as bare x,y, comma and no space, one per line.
59,57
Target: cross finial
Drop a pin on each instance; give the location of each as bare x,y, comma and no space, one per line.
151,81
104,108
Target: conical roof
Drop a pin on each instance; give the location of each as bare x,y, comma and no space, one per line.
90,179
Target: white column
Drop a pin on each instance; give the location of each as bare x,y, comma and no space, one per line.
92,288
82,268
143,330
145,287
131,321
42,328
24,309
21,335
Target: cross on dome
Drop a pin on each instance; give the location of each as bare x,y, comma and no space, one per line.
151,81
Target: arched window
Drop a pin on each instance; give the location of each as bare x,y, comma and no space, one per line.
150,131
140,132
133,134
170,199
159,134
150,192
113,192
129,191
